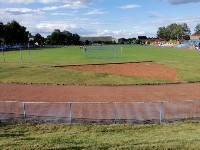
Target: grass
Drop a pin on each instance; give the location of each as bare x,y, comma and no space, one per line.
63,136
76,136
186,62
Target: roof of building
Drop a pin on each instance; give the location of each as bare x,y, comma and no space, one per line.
142,37
196,33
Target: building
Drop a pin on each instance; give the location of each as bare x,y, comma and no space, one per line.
195,36
96,39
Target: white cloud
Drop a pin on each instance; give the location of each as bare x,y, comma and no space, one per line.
18,11
50,8
130,6
154,14
47,27
50,26
26,1
72,5
42,1
61,14
119,33
95,12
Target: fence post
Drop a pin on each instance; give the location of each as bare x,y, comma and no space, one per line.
70,113
24,111
115,112
161,112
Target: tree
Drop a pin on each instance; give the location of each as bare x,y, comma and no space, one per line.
138,41
56,37
76,39
62,38
1,33
197,28
174,32
15,33
39,39
185,31
87,42
121,40
162,33
1,30
67,37
48,40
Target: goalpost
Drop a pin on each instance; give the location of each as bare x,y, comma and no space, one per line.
100,52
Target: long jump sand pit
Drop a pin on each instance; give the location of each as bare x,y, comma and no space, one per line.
143,69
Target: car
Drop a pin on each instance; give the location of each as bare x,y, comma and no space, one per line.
15,47
5,47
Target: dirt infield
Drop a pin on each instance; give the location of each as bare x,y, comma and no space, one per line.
134,93
143,69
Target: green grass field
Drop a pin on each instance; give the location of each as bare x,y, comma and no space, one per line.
186,62
80,136
62,136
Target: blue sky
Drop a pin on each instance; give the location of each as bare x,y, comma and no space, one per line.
117,18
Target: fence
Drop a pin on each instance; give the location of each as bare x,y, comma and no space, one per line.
100,112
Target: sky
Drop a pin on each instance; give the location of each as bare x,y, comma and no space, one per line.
116,18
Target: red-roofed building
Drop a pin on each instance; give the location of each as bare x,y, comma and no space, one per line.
195,36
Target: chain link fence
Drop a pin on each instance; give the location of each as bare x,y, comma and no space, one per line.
99,112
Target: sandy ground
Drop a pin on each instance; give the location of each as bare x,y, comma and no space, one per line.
132,93
144,69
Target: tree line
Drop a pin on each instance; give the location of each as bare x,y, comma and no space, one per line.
14,33
176,32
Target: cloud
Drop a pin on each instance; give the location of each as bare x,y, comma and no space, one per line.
154,14
178,2
130,6
65,15
119,33
42,1
26,1
47,27
72,5
61,14
18,11
95,12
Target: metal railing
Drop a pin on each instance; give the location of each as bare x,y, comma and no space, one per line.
100,112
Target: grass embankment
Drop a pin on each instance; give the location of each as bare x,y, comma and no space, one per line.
62,136
186,62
